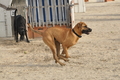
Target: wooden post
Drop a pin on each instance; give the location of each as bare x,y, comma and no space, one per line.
86,0
108,0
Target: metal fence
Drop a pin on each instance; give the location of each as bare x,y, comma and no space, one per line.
49,12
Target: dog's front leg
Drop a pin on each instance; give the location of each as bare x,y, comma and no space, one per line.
65,51
58,51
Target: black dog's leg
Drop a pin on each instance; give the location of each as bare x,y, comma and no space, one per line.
26,36
21,37
16,36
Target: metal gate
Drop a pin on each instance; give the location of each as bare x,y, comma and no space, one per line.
49,12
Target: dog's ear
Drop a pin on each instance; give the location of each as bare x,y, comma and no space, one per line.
79,25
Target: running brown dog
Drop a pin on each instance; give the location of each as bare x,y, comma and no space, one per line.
68,37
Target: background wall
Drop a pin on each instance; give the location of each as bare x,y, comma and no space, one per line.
20,5
5,20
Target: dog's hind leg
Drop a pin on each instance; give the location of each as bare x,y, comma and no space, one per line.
58,51
21,37
16,36
51,43
26,36
57,47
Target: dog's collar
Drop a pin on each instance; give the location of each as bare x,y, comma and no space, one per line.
76,34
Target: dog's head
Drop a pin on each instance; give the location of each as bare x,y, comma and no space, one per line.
82,27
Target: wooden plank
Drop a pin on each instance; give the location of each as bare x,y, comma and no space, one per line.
68,15
41,13
71,2
76,3
49,16
38,8
62,13
5,7
50,11
59,12
65,12
35,16
46,12
31,11
79,6
59,9
53,12
76,6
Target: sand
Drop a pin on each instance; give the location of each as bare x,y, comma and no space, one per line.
94,57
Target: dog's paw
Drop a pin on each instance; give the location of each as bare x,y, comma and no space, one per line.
66,60
67,57
16,40
55,61
62,64
28,41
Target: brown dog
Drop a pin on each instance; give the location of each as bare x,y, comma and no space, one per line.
55,36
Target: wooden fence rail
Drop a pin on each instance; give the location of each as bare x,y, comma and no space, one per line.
49,12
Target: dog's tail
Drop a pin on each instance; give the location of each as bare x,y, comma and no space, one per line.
36,31
15,22
15,12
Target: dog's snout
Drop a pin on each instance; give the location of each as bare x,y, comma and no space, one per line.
90,30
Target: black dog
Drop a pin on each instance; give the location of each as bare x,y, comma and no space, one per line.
20,27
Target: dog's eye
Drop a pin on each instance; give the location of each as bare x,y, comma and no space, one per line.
85,26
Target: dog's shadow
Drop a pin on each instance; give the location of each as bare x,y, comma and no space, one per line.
31,65
7,41
10,41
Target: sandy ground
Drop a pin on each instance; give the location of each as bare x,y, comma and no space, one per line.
94,57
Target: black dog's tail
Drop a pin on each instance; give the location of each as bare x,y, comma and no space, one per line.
15,20
15,28
15,12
